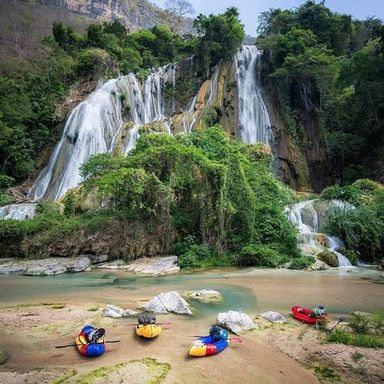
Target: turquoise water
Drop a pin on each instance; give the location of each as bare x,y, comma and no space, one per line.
248,290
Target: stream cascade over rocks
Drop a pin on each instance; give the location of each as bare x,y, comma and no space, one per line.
310,217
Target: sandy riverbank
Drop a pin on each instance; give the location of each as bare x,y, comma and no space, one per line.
292,353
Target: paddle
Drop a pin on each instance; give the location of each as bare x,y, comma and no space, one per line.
234,339
339,321
74,345
134,325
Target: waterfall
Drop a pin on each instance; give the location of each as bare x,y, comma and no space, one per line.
308,217
253,119
89,130
97,124
18,211
92,128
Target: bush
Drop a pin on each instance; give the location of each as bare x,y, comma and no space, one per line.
260,255
201,256
359,323
303,262
359,340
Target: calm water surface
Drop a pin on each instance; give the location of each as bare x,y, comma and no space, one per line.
250,290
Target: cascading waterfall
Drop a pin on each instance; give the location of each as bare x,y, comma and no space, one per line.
94,126
309,216
253,120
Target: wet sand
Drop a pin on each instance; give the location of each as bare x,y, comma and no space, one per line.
272,354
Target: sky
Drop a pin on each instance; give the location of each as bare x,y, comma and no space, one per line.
250,9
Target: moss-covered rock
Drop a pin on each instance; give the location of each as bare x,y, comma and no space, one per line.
144,371
3,357
328,257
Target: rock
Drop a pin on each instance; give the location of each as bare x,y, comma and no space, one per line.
116,264
329,258
319,265
3,357
237,322
168,302
204,296
274,317
155,265
117,312
10,268
78,264
45,267
97,259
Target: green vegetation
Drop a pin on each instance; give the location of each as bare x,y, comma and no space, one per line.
215,195
368,331
152,370
362,229
327,374
325,69
63,379
357,340
302,262
221,36
104,51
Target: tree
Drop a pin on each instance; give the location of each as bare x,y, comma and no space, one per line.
178,10
221,36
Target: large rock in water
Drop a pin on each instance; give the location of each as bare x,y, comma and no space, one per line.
117,312
204,296
168,302
274,317
45,267
237,322
155,265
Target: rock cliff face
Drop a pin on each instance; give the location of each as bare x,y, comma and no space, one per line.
300,158
23,23
133,13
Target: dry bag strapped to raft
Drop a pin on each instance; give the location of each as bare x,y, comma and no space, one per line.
146,319
87,348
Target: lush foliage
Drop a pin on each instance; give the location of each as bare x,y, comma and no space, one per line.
220,36
302,262
362,229
214,191
357,340
367,331
326,69
216,194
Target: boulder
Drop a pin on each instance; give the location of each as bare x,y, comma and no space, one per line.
329,258
45,267
97,259
155,265
3,357
274,317
168,302
117,312
204,296
78,264
237,322
319,265
116,264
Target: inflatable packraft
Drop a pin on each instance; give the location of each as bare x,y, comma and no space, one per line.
147,327
305,315
215,342
85,347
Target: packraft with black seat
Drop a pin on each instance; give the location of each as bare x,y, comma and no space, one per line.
90,341
147,327
215,342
